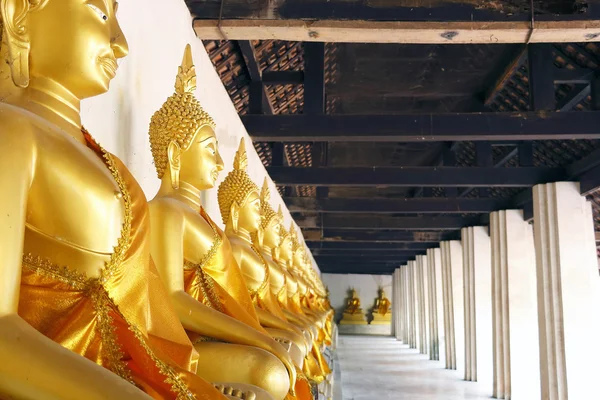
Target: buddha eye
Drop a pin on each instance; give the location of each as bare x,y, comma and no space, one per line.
98,11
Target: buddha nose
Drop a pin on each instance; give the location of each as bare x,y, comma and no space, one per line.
220,164
118,43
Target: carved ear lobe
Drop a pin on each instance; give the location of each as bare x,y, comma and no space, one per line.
174,155
14,18
260,236
234,215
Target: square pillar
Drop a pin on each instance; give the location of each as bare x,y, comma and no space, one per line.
436,305
568,292
414,301
454,304
421,265
405,304
514,308
397,305
477,271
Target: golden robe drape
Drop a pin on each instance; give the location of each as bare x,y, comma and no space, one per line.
120,320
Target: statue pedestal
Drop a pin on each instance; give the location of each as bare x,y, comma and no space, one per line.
354,319
379,319
374,330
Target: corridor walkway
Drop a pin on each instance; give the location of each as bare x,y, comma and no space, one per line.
381,368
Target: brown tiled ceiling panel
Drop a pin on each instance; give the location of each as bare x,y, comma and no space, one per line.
230,66
264,152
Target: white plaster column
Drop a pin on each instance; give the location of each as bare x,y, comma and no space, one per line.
414,305
396,304
477,270
514,308
406,303
436,305
454,304
568,292
421,264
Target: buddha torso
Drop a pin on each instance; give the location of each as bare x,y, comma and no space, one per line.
277,278
64,169
251,263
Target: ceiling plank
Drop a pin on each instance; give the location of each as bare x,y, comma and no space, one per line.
382,222
370,246
425,32
416,176
503,126
334,235
422,205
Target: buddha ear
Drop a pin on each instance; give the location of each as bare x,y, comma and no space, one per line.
260,236
14,18
174,155
234,215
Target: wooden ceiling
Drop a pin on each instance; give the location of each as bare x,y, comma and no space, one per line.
383,150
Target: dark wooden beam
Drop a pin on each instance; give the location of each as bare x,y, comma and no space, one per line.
377,236
314,78
373,252
362,269
369,256
383,222
416,176
431,205
370,246
590,181
504,126
283,77
259,99
541,77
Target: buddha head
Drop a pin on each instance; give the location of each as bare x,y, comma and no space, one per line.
239,198
72,43
284,250
182,135
297,250
270,226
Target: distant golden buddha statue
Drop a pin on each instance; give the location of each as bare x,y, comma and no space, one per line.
239,202
353,314
194,257
382,312
296,267
83,314
293,309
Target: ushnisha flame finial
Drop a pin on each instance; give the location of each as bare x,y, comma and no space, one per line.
266,211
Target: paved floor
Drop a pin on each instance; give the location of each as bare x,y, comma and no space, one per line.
381,368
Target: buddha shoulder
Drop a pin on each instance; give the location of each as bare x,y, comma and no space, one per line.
18,136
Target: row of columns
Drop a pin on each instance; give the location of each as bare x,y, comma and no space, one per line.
514,306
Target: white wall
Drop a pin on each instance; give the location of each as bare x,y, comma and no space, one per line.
157,32
366,288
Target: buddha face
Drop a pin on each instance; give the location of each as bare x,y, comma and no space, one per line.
201,162
272,235
285,249
249,217
76,44
298,259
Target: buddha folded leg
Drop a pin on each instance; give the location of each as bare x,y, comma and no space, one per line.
252,366
294,343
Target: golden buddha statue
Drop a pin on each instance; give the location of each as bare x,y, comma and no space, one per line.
82,311
239,202
382,314
295,269
193,256
353,314
289,301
